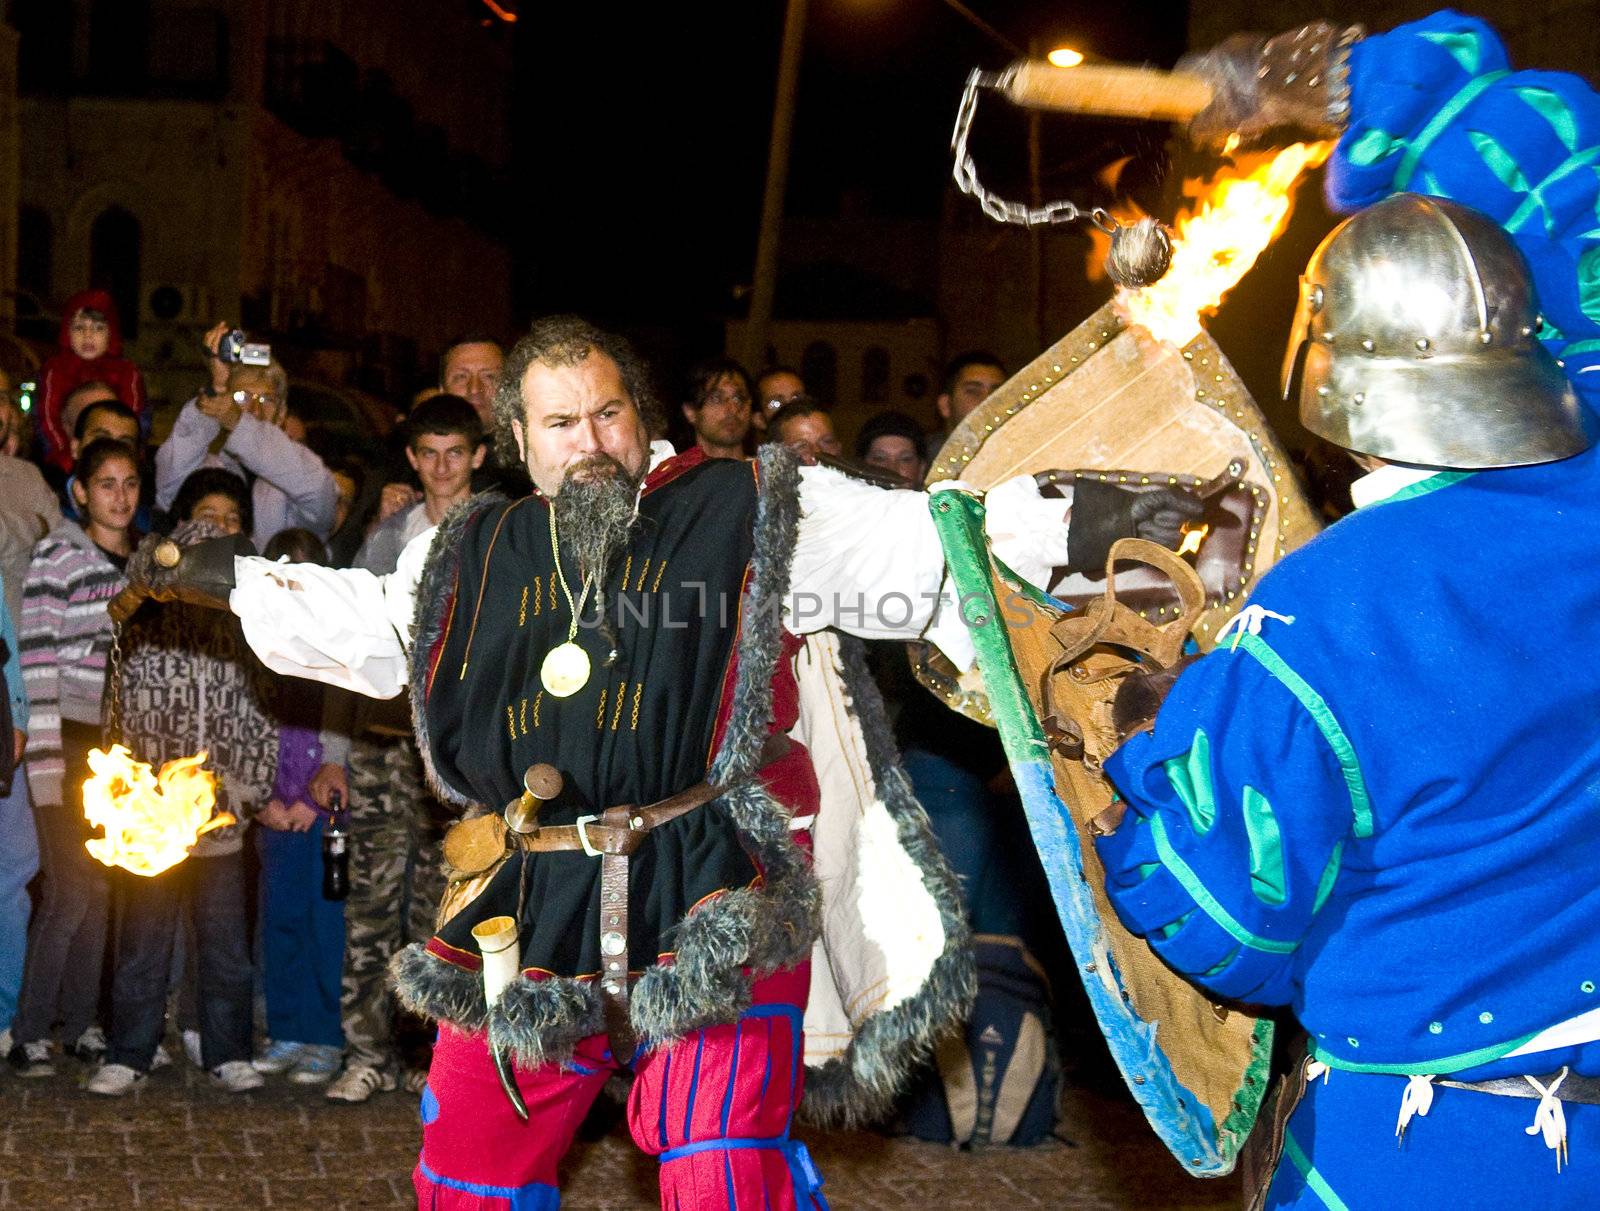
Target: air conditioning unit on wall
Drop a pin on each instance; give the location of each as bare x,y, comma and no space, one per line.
177,303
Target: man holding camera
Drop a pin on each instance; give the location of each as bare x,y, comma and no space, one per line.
238,422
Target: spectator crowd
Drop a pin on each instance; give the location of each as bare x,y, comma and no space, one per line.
236,957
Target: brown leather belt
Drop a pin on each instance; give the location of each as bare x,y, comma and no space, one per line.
613,835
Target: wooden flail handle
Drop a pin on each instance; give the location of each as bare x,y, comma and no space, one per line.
1121,92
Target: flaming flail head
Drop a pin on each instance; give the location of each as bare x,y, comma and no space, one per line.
1232,219
151,820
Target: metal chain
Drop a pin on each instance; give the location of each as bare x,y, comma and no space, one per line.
111,733
996,207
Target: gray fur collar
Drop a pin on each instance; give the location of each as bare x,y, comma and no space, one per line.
439,578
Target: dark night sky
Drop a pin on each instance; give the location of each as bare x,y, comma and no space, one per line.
641,132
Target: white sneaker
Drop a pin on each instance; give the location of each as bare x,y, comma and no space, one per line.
90,1046
191,1048
162,1058
113,1080
316,1065
359,1082
279,1056
32,1059
237,1076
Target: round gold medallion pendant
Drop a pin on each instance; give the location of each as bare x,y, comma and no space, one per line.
565,670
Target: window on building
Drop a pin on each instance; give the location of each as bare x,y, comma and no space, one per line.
119,46
115,248
875,375
819,367
35,252
44,62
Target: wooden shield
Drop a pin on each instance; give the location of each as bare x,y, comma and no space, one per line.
1111,403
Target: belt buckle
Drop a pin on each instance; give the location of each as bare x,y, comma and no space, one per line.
582,824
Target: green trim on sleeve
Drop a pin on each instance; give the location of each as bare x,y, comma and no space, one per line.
1534,203
1437,124
1371,147
1308,1173
1464,46
1344,752
1208,903
1190,776
1266,849
1330,874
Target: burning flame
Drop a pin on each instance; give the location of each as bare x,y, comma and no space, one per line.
151,821
1192,539
1234,216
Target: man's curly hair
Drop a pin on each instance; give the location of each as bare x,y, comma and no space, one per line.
565,340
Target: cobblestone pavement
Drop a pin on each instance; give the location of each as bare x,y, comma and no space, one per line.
178,1143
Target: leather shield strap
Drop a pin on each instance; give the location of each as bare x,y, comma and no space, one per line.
1258,1160
612,836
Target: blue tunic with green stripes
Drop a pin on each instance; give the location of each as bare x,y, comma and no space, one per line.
1386,813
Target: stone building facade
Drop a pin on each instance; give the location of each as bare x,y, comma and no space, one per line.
323,172
9,159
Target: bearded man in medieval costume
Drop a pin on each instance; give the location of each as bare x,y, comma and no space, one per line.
621,660
1378,804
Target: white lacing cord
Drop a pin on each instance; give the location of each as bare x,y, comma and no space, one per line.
1248,621
1416,1100
1315,1069
1549,1118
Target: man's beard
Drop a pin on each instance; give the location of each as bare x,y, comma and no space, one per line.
595,510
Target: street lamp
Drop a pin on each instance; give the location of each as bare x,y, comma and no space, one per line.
1065,56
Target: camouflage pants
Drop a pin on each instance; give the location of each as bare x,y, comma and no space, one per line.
396,882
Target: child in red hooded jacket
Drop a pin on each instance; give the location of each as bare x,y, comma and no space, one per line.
90,350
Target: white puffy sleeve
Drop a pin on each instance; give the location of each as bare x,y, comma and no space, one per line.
342,626
867,559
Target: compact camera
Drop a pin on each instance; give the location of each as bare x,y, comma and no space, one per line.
236,349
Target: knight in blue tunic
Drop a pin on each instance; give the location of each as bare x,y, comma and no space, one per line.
1378,802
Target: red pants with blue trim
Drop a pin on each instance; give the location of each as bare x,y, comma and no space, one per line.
715,1106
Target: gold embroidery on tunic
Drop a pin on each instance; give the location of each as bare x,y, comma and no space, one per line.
643,572
511,722
656,583
633,721
522,610
537,699
616,714
524,716
600,715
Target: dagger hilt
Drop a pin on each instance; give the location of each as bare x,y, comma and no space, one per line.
540,784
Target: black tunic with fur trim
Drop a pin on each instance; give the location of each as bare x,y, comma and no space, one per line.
692,608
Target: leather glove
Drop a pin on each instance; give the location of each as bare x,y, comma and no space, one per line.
1295,82
203,575
1103,513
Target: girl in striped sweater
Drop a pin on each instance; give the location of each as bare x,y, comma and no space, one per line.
65,637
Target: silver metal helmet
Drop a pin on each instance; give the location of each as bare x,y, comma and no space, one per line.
1415,342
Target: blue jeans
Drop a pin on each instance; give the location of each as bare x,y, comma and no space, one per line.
985,839
302,939
147,928
19,862
67,937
